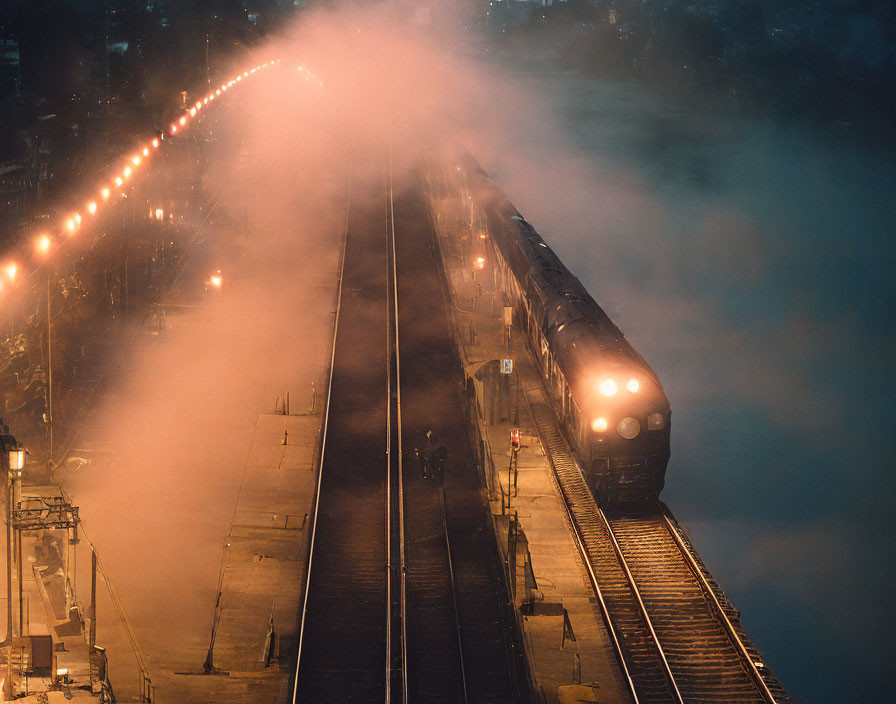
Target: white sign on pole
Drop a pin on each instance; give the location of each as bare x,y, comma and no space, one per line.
507,366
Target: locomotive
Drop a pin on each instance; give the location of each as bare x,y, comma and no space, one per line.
610,402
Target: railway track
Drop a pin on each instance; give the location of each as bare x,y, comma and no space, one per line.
402,600
677,637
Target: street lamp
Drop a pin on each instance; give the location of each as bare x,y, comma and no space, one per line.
16,459
216,281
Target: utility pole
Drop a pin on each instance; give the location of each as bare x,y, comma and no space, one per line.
91,634
49,380
7,683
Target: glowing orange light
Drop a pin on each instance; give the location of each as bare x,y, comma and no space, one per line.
608,387
118,181
136,161
159,213
245,74
198,105
127,172
182,121
218,92
599,425
70,225
205,101
43,244
77,218
633,385
216,279
11,270
239,78
155,143
173,129
145,151
105,193
482,235
192,112
91,207
480,262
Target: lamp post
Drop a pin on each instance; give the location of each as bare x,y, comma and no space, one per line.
43,244
49,379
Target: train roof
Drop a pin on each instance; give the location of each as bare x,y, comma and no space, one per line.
576,328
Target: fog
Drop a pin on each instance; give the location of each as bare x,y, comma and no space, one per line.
750,264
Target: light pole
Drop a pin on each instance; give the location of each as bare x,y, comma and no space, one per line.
43,245
49,380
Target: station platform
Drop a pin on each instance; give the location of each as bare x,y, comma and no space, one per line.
568,647
262,572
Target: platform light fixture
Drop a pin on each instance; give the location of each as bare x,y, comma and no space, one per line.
17,459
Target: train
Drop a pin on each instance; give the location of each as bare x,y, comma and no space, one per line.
611,404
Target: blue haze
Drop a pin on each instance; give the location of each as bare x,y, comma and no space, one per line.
753,266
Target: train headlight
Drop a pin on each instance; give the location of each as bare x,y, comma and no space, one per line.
599,425
608,387
633,385
656,421
629,428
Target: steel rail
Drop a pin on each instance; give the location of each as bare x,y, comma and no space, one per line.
631,580
401,517
579,539
694,568
323,446
592,577
388,340
619,555
460,646
726,621
438,254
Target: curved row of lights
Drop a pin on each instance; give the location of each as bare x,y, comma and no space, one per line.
44,243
